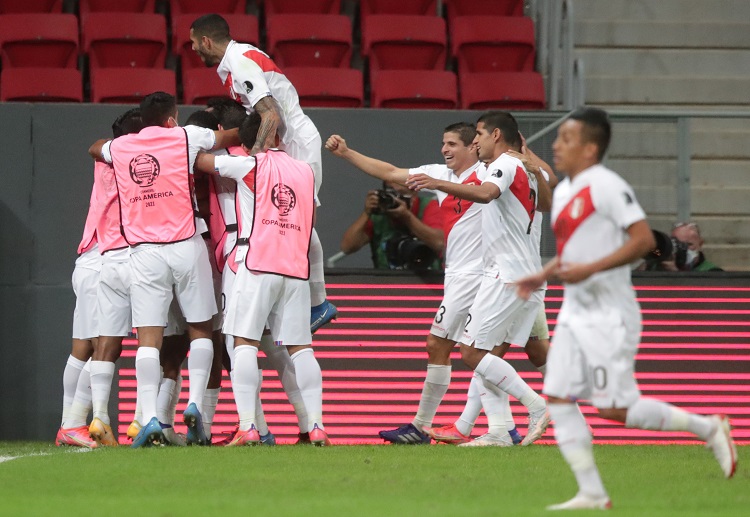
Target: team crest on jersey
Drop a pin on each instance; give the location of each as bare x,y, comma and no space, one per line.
248,86
576,208
283,198
144,169
497,173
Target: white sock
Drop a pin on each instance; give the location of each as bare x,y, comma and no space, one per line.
245,384
278,357
176,390
210,399
574,440
317,279
504,376
70,380
310,382
260,416
147,373
102,373
199,368
435,386
164,400
79,409
494,402
473,407
656,415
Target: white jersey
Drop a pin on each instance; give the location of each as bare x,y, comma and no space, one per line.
590,216
226,194
511,246
249,75
462,220
241,169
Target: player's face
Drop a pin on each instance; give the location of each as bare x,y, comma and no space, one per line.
569,148
202,50
484,143
458,156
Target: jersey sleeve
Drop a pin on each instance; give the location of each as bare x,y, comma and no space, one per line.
234,167
249,82
106,152
616,199
200,138
501,172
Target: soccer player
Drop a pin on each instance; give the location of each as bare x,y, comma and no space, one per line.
600,230
153,172
254,80
508,194
276,196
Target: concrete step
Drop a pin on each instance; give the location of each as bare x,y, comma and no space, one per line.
705,200
663,10
659,140
662,34
709,92
730,257
721,229
645,172
628,62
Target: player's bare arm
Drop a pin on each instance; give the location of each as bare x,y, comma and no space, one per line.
641,241
226,138
529,284
272,122
95,151
370,166
483,193
205,162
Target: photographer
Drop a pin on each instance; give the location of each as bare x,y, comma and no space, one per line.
680,252
393,216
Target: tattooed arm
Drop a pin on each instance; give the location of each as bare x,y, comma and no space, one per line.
271,123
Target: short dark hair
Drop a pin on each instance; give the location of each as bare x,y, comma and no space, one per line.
506,123
465,131
249,129
203,118
596,127
229,112
212,26
157,107
127,123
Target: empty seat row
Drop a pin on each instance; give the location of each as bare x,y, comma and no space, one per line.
480,43
317,87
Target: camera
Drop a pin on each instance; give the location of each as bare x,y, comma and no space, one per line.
388,200
407,252
667,248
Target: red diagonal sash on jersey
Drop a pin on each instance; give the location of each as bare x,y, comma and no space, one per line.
524,193
575,212
264,62
453,208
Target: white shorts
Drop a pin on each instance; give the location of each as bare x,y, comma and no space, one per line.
156,270
498,315
114,296
459,294
540,329
227,286
308,149
86,314
594,359
258,298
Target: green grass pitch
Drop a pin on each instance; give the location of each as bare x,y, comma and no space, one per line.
357,481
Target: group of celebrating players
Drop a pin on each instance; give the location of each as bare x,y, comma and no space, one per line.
149,260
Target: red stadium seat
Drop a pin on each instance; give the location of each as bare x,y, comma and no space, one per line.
421,7
137,40
204,7
41,85
410,89
39,40
30,6
200,84
130,85
317,40
302,7
242,27
483,8
502,90
115,6
493,43
400,42
327,87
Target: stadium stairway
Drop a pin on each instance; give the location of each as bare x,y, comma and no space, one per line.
667,55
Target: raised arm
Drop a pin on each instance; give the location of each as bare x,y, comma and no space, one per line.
483,193
226,138
271,122
375,168
95,151
206,163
